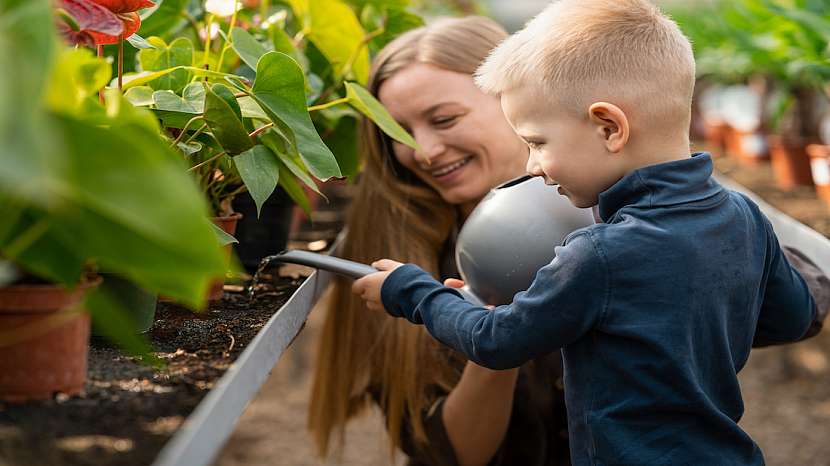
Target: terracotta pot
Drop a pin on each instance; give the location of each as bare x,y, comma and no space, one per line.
715,133
820,168
749,146
790,163
228,225
44,341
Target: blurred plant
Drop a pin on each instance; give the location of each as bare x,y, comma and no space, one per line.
781,44
74,177
275,100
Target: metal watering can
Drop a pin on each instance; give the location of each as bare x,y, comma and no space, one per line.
509,236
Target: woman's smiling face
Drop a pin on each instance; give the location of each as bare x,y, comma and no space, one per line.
467,146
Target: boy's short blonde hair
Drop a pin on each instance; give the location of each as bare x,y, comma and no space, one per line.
626,52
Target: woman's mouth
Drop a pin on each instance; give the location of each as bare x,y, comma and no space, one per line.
447,171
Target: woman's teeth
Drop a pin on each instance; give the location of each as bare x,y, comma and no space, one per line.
451,168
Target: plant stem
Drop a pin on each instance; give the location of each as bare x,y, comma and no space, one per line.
326,105
101,91
196,134
260,129
229,38
347,68
207,41
120,63
200,164
184,130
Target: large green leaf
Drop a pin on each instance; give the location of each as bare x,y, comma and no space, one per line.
343,142
168,57
192,99
364,102
112,318
289,157
77,75
168,15
248,48
280,90
333,28
159,238
225,125
259,171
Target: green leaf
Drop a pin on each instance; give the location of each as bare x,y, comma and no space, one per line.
248,48
280,90
171,58
225,125
343,142
289,157
144,77
169,101
77,75
222,236
141,96
139,42
227,95
294,190
250,109
335,30
283,43
113,319
364,102
259,171
167,16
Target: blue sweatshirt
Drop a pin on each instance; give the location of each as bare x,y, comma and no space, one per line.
655,311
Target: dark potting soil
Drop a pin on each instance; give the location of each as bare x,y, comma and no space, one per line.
128,410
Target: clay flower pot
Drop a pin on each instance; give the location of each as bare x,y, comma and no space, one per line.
820,168
790,163
228,225
715,132
44,341
749,146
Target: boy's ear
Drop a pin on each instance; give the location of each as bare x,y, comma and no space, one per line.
611,124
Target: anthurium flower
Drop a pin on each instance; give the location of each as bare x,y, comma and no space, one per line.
126,10
83,18
221,8
131,22
124,6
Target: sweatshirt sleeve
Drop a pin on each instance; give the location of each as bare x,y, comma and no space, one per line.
788,309
566,300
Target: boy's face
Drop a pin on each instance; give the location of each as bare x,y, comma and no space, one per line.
564,149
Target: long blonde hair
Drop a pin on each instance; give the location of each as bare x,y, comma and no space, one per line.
393,215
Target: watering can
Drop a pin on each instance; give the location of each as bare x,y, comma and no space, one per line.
509,236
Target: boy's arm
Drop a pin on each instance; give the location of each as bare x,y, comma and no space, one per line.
565,301
817,282
788,310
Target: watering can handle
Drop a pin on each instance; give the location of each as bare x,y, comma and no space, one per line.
333,264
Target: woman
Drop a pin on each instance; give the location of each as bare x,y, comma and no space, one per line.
440,409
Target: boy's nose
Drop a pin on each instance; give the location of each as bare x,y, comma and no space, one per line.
533,168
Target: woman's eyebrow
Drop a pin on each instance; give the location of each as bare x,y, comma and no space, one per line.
435,107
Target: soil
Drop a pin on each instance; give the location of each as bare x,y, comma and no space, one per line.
129,410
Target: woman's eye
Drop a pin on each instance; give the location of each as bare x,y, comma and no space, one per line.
444,121
533,145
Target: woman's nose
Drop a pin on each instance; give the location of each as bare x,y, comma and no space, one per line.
431,147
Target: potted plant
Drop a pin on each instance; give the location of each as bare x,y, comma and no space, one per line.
271,108
73,193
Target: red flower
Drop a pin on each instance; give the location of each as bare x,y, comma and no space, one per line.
131,23
101,22
88,18
124,6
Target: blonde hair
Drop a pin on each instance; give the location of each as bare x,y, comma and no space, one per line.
395,215
584,51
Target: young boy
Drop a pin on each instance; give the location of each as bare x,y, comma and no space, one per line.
656,308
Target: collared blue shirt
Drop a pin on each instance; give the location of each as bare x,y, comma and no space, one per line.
655,311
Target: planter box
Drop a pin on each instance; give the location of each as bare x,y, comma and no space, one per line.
204,433
132,415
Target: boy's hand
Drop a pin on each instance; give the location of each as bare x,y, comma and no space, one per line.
368,287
